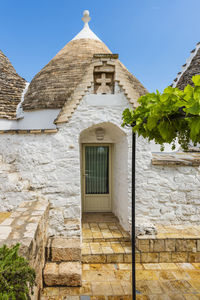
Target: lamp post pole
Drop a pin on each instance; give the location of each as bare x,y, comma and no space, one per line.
133,216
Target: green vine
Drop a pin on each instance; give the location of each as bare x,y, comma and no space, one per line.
17,278
174,114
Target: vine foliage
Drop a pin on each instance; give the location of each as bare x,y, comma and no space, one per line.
174,114
17,278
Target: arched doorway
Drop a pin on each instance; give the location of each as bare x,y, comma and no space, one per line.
104,170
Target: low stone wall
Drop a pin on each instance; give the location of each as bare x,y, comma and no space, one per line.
168,250
28,225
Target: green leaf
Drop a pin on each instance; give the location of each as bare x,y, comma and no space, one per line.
195,128
196,80
188,92
167,116
194,109
152,122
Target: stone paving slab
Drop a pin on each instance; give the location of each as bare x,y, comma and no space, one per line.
163,281
174,232
104,231
106,252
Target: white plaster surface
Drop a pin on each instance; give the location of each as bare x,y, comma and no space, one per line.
166,194
86,33
167,147
39,119
107,100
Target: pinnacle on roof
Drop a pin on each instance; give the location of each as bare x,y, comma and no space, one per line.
86,32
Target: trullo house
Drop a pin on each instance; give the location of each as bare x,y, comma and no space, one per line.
61,139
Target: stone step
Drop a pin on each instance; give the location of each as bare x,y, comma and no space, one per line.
61,249
104,232
106,252
111,239
62,274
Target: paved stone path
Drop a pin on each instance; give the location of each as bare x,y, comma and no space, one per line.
112,281
102,235
164,281
97,280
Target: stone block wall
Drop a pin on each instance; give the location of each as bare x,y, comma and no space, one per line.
167,193
28,225
167,250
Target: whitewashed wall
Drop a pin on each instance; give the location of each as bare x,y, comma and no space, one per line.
122,180
39,119
48,166
166,194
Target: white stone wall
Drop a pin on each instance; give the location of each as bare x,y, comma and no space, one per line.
48,165
166,194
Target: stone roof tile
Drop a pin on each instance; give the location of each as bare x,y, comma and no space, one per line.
11,88
54,84
191,68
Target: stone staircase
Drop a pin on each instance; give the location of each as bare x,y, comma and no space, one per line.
63,262
105,243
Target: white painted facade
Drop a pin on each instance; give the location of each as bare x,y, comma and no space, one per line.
49,166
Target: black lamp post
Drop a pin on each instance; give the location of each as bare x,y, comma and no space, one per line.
133,216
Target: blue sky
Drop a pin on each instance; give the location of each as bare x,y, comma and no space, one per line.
153,37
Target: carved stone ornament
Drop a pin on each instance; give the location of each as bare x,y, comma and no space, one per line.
104,78
100,133
103,88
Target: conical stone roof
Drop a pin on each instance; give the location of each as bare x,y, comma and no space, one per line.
53,86
189,69
11,88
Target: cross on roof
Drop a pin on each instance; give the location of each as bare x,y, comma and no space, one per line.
104,88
